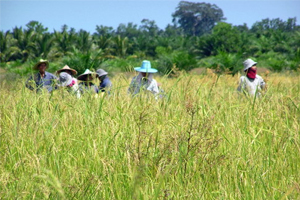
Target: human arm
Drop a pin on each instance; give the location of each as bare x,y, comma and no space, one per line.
241,86
54,81
29,83
76,90
132,87
262,83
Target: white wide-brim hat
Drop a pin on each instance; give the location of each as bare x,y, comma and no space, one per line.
83,76
248,64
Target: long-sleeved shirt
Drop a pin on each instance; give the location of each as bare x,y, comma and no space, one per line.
251,87
48,81
105,85
73,88
138,84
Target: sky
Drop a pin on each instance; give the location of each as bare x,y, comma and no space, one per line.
87,14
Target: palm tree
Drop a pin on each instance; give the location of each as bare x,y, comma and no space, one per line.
8,51
104,43
64,42
260,46
87,60
43,45
25,42
83,41
120,46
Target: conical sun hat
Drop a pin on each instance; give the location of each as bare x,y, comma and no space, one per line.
35,67
146,67
65,79
101,72
67,68
248,64
82,77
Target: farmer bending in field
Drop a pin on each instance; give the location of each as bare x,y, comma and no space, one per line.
42,79
105,83
87,85
252,83
144,81
70,71
68,82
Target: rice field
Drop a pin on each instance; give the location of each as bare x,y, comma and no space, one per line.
201,141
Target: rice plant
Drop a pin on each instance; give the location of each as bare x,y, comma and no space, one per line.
201,141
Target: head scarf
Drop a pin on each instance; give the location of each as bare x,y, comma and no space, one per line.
251,73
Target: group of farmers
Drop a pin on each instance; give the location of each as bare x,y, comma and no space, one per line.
250,83
85,83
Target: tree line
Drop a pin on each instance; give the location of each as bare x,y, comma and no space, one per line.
197,37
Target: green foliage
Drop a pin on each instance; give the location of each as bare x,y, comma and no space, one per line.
81,61
279,62
275,24
129,31
43,46
106,31
223,62
121,65
224,37
37,27
23,69
17,67
120,46
149,28
197,18
83,41
168,59
273,42
64,42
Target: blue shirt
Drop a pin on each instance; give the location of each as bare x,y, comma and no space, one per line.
47,81
105,84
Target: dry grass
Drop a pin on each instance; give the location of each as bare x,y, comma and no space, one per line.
202,141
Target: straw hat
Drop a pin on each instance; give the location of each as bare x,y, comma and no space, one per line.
248,64
82,77
146,67
65,79
35,67
67,68
101,72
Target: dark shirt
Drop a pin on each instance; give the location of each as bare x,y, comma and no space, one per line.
88,87
105,85
47,81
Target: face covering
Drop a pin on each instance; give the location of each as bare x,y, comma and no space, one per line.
251,73
71,84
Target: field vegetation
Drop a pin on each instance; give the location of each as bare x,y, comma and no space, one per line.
201,141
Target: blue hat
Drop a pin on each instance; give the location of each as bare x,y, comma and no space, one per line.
146,67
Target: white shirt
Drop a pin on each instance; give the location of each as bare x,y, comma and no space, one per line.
251,87
75,88
138,83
